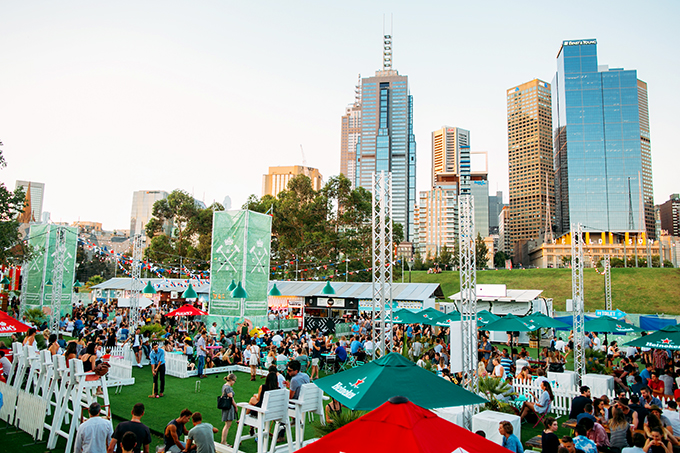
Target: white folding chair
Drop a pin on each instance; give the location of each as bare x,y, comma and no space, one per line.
274,409
310,400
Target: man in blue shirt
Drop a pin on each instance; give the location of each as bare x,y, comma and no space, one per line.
157,359
355,328
340,354
646,374
354,347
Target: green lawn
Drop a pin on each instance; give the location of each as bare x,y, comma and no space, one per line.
634,290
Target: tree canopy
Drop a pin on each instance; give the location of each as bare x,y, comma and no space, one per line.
12,248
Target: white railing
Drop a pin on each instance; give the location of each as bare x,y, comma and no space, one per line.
176,365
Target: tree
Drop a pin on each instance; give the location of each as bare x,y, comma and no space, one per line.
12,250
445,257
89,265
499,260
481,250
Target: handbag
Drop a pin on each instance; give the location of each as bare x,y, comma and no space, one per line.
224,402
101,369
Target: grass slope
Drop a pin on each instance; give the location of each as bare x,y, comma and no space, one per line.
634,290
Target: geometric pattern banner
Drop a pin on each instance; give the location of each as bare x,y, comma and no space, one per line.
241,242
38,271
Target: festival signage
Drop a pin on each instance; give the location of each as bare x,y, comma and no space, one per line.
240,252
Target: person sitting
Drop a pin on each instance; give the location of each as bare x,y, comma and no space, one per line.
510,441
583,443
174,429
333,410
587,413
656,385
340,354
540,407
657,443
578,404
648,399
271,382
596,433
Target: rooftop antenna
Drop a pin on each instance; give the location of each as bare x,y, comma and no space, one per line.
357,92
387,46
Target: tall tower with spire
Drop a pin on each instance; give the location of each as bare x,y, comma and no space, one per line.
386,141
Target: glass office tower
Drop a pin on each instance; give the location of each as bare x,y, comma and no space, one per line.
387,142
602,151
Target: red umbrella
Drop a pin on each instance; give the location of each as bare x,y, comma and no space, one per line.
11,325
187,310
399,425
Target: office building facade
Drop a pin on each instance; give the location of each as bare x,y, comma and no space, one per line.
602,148
350,137
530,162
278,177
142,210
387,142
447,143
495,206
669,215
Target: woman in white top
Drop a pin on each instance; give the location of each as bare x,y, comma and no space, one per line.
254,359
498,370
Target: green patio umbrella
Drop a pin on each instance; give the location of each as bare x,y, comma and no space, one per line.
666,338
404,316
427,315
368,386
545,322
605,324
510,323
484,317
445,319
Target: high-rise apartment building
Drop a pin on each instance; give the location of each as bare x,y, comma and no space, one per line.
37,192
495,206
669,214
350,137
387,142
446,145
530,162
602,150
277,178
142,210
503,237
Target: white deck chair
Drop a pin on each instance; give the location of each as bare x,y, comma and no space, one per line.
310,400
274,409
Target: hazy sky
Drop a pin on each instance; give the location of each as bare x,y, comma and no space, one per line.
98,99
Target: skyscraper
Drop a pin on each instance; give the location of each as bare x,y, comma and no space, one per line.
495,206
530,161
602,150
37,192
278,177
446,145
142,210
387,142
350,137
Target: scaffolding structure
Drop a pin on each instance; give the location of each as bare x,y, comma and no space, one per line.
381,227
57,279
136,287
468,294
606,262
577,299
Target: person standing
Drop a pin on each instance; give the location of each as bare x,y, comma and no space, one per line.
157,359
94,435
201,436
201,352
254,359
139,429
228,415
128,442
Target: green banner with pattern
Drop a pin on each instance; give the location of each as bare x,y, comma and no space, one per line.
240,252
39,271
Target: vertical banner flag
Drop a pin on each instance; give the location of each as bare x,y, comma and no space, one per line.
38,271
240,252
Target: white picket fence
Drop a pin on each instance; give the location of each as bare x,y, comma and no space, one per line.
176,365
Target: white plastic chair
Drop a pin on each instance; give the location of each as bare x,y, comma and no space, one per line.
274,409
310,400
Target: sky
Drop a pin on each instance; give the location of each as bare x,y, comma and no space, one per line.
99,99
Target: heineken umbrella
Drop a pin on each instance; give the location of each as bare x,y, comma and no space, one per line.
404,316
545,322
666,338
484,317
368,386
427,316
605,324
446,319
510,323
399,425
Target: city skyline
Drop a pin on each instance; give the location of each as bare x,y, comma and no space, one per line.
104,100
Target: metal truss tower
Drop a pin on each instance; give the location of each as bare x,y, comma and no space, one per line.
468,294
577,299
606,262
136,288
57,279
381,227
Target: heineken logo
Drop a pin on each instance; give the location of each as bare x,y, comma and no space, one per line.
621,328
344,391
358,383
666,341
